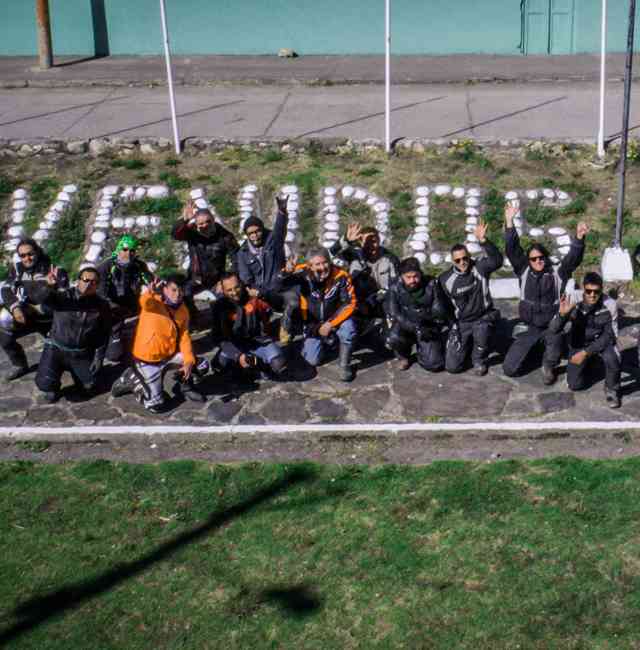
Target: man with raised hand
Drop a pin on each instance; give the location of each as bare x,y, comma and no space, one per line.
592,337
79,333
19,315
327,305
261,260
161,342
541,286
241,326
210,248
466,285
373,269
122,277
416,314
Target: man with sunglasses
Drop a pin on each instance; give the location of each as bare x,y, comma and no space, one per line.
541,286
592,336
210,246
466,285
21,315
79,333
122,277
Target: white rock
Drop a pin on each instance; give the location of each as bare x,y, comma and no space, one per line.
15,231
331,226
348,191
110,190
41,234
382,216
52,216
553,259
383,228
330,209
140,193
422,221
332,217
563,250
422,200
59,206
372,200
10,247
517,221
474,191
472,221
103,212
46,225
287,189
330,191
18,216
417,245
196,193
331,236
548,193
423,211
70,189
102,224
19,204
360,194
143,221
536,232
556,231
106,204
118,222
436,258
292,224
458,192
472,238
511,196
515,203
469,227
421,229
421,257
247,196
564,240
380,207
93,253
423,190
293,214
473,202
19,194
291,236
441,190
64,197
447,258
532,195
98,237
329,200
158,191
472,212
129,222
201,204
563,196
245,214
186,264
474,248
251,188
420,237
153,267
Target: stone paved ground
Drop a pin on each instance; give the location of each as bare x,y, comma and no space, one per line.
379,394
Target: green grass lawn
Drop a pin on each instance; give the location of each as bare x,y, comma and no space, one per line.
190,555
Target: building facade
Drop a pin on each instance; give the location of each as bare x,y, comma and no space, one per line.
126,27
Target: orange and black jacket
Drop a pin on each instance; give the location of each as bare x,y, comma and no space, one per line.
333,300
240,323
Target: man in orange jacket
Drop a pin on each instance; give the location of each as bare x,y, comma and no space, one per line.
162,340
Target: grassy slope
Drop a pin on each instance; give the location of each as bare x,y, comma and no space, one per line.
504,555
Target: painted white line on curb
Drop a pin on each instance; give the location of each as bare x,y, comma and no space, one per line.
417,427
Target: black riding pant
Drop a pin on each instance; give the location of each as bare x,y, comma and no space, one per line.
429,353
469,338
535,338
53,364
577,374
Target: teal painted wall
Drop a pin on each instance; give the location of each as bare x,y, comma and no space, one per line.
308,26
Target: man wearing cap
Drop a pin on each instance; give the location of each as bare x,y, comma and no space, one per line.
20,315
122,277
261,260
466,285
416,313
327,305
210,247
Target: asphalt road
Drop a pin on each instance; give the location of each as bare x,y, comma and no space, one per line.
483,111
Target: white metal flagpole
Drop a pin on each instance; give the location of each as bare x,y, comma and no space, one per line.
603,60
387,76
167,56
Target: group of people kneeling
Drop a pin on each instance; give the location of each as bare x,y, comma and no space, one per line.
356,292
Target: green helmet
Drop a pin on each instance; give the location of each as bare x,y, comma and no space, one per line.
126,241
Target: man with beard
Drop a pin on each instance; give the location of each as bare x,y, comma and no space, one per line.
210,245
121,280
241,326
161,342
20,315
541,286
261,259
416,313
592,337
466,285
373,269
79,333
327,305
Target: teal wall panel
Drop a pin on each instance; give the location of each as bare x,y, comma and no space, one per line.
308,26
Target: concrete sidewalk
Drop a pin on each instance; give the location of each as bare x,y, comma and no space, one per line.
16,72
560,111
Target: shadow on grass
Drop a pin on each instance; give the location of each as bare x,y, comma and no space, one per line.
40,609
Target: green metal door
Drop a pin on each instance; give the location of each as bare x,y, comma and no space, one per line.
549,26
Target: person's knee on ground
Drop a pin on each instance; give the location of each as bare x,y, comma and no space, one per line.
313,351
429,358
278,365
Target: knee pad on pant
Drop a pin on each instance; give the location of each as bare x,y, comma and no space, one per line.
278,364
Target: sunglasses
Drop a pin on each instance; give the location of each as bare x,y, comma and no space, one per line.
128,250
459,260
593,292
89,280
23,255
536,258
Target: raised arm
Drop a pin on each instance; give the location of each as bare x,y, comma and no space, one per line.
573,258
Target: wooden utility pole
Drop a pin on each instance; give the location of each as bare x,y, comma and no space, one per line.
44,34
